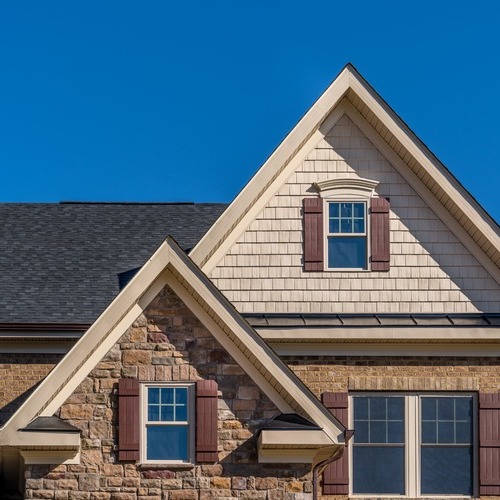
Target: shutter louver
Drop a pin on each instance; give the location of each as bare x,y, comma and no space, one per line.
128,419
489,444
206,421
380,236
313,234
336,474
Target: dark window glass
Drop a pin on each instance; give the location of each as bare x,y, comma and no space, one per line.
446,470
347,252
378,445
379,470
167,442
446,449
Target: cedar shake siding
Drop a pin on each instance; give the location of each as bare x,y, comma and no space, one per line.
168,344
19,375
430,270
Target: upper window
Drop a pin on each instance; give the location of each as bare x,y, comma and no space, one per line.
347,235
167,418
414,445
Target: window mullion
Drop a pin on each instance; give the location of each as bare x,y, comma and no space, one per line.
412,441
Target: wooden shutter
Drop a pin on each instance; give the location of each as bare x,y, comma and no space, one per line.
336,474
128,419
379,234
313,234
206,421
489,444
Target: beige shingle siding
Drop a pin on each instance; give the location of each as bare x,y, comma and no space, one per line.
431,271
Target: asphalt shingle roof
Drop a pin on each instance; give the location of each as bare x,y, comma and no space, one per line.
64,263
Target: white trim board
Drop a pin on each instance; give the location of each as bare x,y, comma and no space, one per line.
480,234
170,265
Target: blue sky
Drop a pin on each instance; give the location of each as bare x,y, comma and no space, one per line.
183,101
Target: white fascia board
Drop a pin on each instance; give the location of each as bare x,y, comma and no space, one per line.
381,334
387,349
425,158
39,439
276,438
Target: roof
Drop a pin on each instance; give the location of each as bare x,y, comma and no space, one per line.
351,94
64,263
171,266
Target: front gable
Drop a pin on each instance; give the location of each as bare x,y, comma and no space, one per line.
431,270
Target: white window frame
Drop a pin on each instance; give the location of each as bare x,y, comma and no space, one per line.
328,234
190,422
413,443
348,190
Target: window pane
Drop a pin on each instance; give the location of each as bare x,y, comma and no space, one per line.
167,396
395,432
361,434
361,408
334,226
446,470
463,408
371,466
334,210
395,408
181,413
429,408
346,226
446,408
378,408
446,432
359,226
167,442
167,413
464,432
181,396
153,395
346,210
378,432
359,210
153,413
347,252
429,432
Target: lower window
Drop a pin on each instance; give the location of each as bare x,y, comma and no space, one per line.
167,423
413,444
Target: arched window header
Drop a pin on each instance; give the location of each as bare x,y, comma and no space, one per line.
347,186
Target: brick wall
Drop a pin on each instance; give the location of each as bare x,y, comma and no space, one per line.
19,374
168,343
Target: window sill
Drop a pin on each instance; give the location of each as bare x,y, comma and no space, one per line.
156,466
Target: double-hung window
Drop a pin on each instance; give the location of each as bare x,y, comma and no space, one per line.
347,236
413,445
167,423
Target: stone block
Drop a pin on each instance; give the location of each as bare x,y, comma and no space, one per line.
248,392
266,483
239,483
77,411
136,357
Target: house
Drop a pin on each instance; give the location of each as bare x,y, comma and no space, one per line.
334,332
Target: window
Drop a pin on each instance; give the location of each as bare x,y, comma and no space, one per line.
413,444
346,227
167,418
347,235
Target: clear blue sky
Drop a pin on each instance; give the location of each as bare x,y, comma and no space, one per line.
183,101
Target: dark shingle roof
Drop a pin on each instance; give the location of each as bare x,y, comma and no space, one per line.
65,262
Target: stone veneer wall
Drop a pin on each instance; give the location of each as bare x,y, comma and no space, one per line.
19,374
168,343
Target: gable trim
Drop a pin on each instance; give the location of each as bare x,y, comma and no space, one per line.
460,207
170,265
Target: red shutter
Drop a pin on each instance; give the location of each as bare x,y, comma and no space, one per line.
336,474
313,234
489,444
128,419
380,237
206,421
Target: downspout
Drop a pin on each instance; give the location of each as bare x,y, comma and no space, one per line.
320,466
